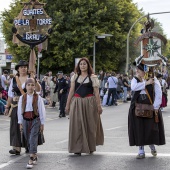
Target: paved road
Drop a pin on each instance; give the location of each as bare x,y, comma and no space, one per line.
114,155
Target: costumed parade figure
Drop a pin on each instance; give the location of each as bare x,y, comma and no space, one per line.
33,33
145,122
31,118
84,107
16,89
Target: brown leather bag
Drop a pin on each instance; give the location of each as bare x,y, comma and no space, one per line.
29,115
144,110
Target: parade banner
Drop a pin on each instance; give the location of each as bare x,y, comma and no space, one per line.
32,27
151,46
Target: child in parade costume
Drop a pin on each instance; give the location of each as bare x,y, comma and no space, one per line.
144,130
31,117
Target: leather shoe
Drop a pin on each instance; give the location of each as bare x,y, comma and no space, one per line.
140,156
154,152
79,154
26,150
14,152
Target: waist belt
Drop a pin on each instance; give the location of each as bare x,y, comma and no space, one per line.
77,95
29,116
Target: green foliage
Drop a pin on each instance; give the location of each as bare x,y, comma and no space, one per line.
75,26
7,20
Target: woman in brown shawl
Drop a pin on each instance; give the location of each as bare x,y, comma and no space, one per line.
84,108
16,89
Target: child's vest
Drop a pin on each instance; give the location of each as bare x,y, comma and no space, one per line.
34,113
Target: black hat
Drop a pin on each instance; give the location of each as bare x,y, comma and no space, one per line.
139,66
21,63
60,72
158,76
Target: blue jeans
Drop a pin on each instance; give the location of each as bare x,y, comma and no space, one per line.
112,91
125,93
2,105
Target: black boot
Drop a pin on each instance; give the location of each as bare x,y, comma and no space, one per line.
53,104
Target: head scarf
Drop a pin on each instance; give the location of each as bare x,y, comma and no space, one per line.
29,80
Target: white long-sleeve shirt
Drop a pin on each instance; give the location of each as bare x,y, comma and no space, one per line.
10,92
41,108
136,86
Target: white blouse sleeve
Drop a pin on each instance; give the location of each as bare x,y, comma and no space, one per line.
10,93
19,112
95,81
41,110
73,78
136,86
158,94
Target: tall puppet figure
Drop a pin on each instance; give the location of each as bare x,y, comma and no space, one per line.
145,122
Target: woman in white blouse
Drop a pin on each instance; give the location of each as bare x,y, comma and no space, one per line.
145,131
16,89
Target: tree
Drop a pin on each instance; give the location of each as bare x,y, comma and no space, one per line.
75,24
7,23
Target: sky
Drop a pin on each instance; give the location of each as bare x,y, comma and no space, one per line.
4,5
154,6
149,6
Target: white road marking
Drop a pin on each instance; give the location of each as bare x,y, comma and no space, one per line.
12,161
5,120
95,153
118,127
63,141
5,128
108,153
107,137
50,119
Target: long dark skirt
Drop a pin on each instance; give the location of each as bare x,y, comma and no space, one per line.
145,131
15,134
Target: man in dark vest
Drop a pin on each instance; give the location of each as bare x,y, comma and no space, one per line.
62,87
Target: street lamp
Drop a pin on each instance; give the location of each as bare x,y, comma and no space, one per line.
102,36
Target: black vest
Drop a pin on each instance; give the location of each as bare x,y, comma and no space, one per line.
85,89
15,88
136,95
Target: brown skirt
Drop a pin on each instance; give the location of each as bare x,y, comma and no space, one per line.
85,129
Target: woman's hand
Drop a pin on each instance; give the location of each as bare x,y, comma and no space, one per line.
20,127
100,110
41,128
156,110
6,112
150,81
67,109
